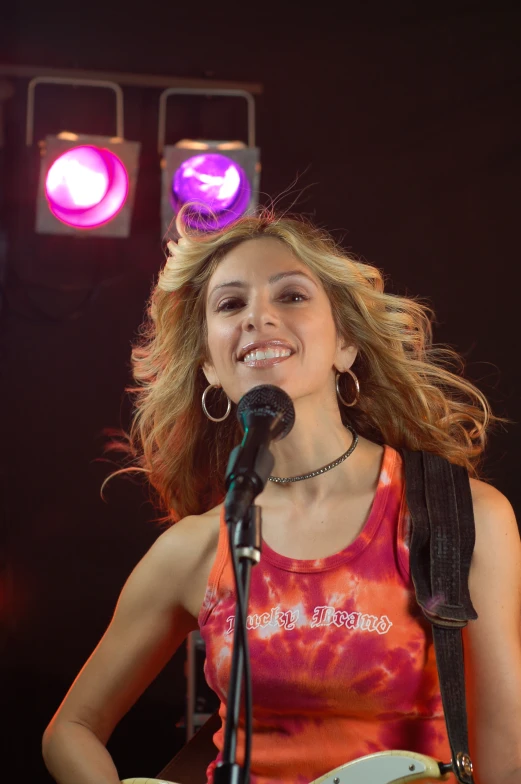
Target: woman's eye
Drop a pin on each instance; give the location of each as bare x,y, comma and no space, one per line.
230,304
235,303
293,296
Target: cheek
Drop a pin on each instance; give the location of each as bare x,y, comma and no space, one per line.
321,335
220,342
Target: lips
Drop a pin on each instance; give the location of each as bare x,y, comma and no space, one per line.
266,356
277,349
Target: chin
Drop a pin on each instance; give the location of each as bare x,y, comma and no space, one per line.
260,380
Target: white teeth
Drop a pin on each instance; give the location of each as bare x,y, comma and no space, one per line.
270,353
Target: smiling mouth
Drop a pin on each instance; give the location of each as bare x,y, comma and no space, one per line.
260,355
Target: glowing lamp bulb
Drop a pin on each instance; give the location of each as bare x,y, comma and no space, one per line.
86,187
216,186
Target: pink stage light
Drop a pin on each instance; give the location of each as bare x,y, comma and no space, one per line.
86,187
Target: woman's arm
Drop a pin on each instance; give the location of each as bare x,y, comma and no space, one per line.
492,643
149,624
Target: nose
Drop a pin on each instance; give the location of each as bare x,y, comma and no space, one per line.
260,314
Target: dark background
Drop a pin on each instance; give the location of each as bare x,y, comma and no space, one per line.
395,128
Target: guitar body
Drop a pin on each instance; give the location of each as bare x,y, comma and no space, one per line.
385,767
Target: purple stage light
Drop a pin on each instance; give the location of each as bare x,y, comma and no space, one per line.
216,186
86,187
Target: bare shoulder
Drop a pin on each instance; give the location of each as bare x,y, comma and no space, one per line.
483,491
174,571
182,557
493,511
189,539
496,564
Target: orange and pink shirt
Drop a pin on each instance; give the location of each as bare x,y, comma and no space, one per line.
342,659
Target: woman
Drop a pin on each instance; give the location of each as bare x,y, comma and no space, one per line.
342,660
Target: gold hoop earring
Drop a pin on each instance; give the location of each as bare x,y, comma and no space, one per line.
203,402
357,388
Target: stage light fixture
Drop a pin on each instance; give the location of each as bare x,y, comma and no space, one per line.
87,182
214,181
218,179
86,186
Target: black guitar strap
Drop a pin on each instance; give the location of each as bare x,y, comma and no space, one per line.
442,542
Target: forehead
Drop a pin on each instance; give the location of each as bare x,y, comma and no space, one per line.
258,258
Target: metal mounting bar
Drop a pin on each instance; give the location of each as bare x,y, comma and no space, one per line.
158,81
29,128
204,91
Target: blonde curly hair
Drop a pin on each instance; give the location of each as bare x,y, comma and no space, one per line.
413,393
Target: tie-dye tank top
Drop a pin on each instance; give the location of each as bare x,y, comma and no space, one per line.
342,659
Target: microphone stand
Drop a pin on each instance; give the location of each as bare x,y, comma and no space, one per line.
265,412
245,548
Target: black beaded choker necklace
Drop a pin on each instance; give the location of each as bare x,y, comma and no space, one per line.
284,480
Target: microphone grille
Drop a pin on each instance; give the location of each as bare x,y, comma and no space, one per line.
270,401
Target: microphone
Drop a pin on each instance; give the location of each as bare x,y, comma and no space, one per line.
266,414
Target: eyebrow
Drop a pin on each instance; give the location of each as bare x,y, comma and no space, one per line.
240,284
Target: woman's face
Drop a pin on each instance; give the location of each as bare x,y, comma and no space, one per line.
270,322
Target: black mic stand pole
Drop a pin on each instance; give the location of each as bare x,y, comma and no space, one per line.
245,538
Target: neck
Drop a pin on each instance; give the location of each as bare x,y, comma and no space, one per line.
317,439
